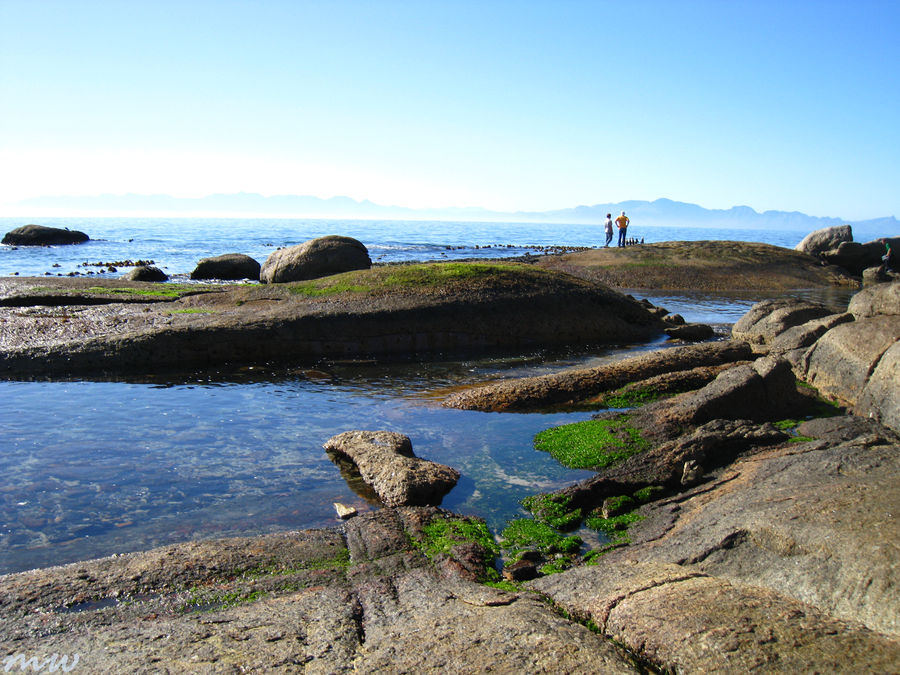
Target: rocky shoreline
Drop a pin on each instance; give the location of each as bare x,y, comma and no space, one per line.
749,520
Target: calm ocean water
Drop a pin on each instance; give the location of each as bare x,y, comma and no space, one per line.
176,245
94,468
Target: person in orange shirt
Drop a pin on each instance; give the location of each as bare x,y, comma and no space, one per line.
622,223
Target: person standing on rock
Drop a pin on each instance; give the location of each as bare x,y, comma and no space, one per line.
622,223
888,258
608,229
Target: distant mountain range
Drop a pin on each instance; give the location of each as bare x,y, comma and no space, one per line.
658,212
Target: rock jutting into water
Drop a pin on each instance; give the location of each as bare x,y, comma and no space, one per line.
386,462
40,235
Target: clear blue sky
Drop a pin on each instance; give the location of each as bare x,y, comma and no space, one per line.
524,105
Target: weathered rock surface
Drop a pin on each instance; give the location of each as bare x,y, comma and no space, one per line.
228,267
819,241
315,258
768,319
367,601
386,462
573,386
40,235
145,273
877,300
78,325
787,559
846,359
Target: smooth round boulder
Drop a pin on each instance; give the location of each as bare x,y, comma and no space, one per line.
230,266
40,235
825,239
316,258
145,273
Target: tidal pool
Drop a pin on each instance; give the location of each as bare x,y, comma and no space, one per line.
92,468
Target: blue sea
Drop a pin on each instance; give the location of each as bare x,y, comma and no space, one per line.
91,468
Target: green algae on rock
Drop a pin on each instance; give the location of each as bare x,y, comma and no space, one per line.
592,444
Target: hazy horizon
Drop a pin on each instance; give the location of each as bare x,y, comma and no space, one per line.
662,211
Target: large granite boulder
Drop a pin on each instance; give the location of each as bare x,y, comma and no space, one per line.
880,299
40,235
316,258
846,359
816,243
145,273
229,267
386,462
768,319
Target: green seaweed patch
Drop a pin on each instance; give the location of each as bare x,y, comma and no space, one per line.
504,585
162,291
329,286
208,600
555,566
632,398
591,444
616,527
648,494
619,504
526,534
191,310
440,274
554,510
341,560
421,276
441,535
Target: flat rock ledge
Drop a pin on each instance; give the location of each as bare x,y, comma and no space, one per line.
366,598
60,326
386,462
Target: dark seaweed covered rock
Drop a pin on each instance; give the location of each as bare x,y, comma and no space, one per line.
40,235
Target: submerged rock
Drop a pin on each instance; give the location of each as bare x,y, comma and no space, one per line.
386,462
40,235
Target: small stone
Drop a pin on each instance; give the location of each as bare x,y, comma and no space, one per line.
344,512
